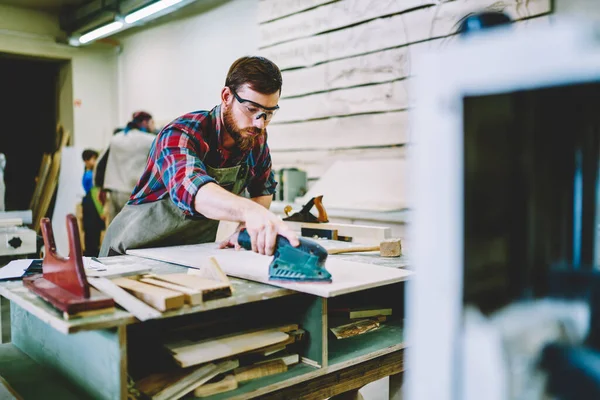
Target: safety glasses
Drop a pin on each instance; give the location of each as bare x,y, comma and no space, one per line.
255,110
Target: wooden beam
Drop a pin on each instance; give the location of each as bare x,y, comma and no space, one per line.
138,308
332,16
159,298
272,9
382,66
399,30
317,162
347,132
191,296
226,384
390,96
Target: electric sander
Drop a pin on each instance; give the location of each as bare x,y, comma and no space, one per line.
305,263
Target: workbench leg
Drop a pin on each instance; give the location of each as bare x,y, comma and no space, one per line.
4,320
396,382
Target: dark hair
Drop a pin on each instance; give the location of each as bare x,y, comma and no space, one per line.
89,154
259,73
137,119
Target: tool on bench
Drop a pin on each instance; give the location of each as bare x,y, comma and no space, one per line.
304,215
305,263
63,282
387,248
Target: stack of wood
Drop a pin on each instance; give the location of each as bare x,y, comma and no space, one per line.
147,296
218,365
357,321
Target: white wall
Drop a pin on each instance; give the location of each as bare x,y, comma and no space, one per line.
92,76
180,66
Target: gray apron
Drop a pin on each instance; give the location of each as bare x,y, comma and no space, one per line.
161,223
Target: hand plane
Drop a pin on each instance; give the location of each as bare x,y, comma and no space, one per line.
305,263
304,215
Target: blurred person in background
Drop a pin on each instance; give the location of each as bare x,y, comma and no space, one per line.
92,208
123,162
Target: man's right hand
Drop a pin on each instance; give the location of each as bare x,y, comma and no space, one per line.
263,227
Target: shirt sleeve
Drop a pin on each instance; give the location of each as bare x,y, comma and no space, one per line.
263,183
181,167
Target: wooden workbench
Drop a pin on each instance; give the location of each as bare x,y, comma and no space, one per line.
93,357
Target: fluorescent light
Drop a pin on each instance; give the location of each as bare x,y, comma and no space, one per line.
151,9
101,32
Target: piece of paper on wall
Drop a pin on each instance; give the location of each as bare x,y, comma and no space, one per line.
70,193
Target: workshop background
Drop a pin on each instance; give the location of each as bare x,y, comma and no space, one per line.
345,107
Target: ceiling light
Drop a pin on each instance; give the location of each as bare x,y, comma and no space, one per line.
101,32
151,9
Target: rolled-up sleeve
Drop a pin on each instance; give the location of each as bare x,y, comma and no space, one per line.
263,182
181,167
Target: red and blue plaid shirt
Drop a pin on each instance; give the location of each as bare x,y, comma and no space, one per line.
176,164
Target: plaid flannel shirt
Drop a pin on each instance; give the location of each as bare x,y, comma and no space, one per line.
176,164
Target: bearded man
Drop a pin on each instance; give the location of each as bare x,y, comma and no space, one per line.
208,166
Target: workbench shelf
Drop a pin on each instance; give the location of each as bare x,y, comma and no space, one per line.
389,336
273,381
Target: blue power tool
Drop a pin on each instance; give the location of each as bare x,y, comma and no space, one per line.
305,263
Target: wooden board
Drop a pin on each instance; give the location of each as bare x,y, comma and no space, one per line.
190,296
219,348
385,129
382,186
138,308
382,66
332,16
226,384
178,383
391,96
272,9
361,234
385,33
317,162
348,276
250,372
159,298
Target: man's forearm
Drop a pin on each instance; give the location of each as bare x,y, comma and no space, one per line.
264,201
214,202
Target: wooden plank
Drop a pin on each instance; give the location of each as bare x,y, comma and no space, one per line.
381,66
348,276
138,308
227,384
178,383
159,298
250,372
214,349
360,234
190,296
332,16
399,30
288,359
392,96
273,9
317,162
346,132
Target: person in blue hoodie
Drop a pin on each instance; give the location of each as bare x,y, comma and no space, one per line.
93,222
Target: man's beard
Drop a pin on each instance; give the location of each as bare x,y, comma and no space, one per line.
244,139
